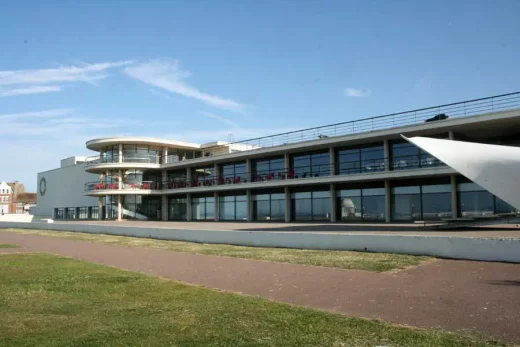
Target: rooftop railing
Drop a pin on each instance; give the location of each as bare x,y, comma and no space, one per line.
429,114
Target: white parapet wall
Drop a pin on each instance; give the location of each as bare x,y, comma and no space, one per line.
468,248
20,218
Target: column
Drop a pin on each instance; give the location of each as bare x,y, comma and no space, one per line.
119,208
287,161
249,205
454,200
76,213
164,207
332,161
188,207
100,208
165,155
120,152
388,202
188,173
333,202
217,216
386,147
249,171
120,179
287,204
89,212
217,171
451,135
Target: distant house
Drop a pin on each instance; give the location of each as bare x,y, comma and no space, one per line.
14,199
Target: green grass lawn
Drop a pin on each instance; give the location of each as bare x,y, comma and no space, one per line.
8,245
339,259
46,300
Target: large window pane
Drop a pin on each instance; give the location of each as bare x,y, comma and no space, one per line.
374,208
349,208
436,205
406,207
302,209
476,204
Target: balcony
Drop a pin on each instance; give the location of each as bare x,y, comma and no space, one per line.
93,187
144,160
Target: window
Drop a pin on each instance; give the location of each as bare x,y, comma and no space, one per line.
408,156
311,165
366,204
203,208
83,213
269,206
204,174
360,160
475,201
59,213
234,173
177,208
313,205
424,202
233,207
267,169
141,207
94,212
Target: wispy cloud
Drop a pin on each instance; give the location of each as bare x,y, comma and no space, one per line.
219,118
29,90
168,75
36,81
39,114
357,93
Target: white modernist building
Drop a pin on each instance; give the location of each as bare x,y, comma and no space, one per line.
357,171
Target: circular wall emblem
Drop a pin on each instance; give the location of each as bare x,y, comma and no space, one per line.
43,186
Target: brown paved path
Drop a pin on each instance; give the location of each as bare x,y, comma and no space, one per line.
446,293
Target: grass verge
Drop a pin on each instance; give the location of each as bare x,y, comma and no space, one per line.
46,300
8,245
377,262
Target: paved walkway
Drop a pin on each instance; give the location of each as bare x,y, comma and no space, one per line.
444,293
501,231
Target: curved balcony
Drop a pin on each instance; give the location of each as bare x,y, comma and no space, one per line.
111,188
101,162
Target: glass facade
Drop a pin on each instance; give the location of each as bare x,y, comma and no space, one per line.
234,173
110,155
425,202
355,205
176,154
141,207
177,208
475,201
141,154
310,165
206,173
203,208
407,156
360,160
273,168
233,207
310,206
269,206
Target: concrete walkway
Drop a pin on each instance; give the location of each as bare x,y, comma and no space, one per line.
444,293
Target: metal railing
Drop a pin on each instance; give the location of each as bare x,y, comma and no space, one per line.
429,114
134,159
408,162
144,185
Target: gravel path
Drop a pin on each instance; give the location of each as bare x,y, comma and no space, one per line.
444,293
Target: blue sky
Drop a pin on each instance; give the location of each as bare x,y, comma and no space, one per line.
201,70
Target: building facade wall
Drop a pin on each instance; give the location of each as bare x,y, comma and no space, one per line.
63,187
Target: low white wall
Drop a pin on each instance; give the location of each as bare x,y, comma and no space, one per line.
487,249
16,218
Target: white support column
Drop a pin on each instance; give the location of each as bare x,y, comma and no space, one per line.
249,205
120,179
165,155
188,207
332,161
333,202
287,162
451,135
119,214
100,208
388,202
120,152
386,147
249,170
217,171
454,199
287,204
188,173
217,216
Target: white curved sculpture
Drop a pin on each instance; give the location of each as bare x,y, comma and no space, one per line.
495,168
